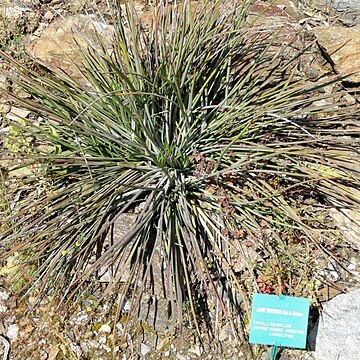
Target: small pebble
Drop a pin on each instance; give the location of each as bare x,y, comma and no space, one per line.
181,357
144,349
93,344
75,348
32,301
224,333
99,352
106,348
352,264
101,339
17,113
12,332
4,108
106,328
88,335
12,303
126,307
48,16
196,350
81,318
120,326
84,346
4,295
43,355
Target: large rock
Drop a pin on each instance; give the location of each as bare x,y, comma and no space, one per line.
342,48
338,329
348,221
346,12
277,20
345,5
278,10
337,5
58,45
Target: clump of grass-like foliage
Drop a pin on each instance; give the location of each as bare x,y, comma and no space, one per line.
200,124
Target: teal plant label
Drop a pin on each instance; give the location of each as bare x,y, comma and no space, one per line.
279,320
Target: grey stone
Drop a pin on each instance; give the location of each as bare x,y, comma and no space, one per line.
144,349
345,5
84,347
92,344
12,332
337,5
225,333
337,334
4,294
76,349
346,11
81,318
101,339
99,352
156,313
353,263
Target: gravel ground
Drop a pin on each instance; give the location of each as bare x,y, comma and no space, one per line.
49,330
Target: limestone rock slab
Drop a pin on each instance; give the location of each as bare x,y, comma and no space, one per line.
342,47
338,331
346,5
57,47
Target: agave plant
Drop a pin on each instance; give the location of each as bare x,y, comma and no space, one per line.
200,124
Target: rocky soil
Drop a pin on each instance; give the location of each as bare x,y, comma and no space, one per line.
50,31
